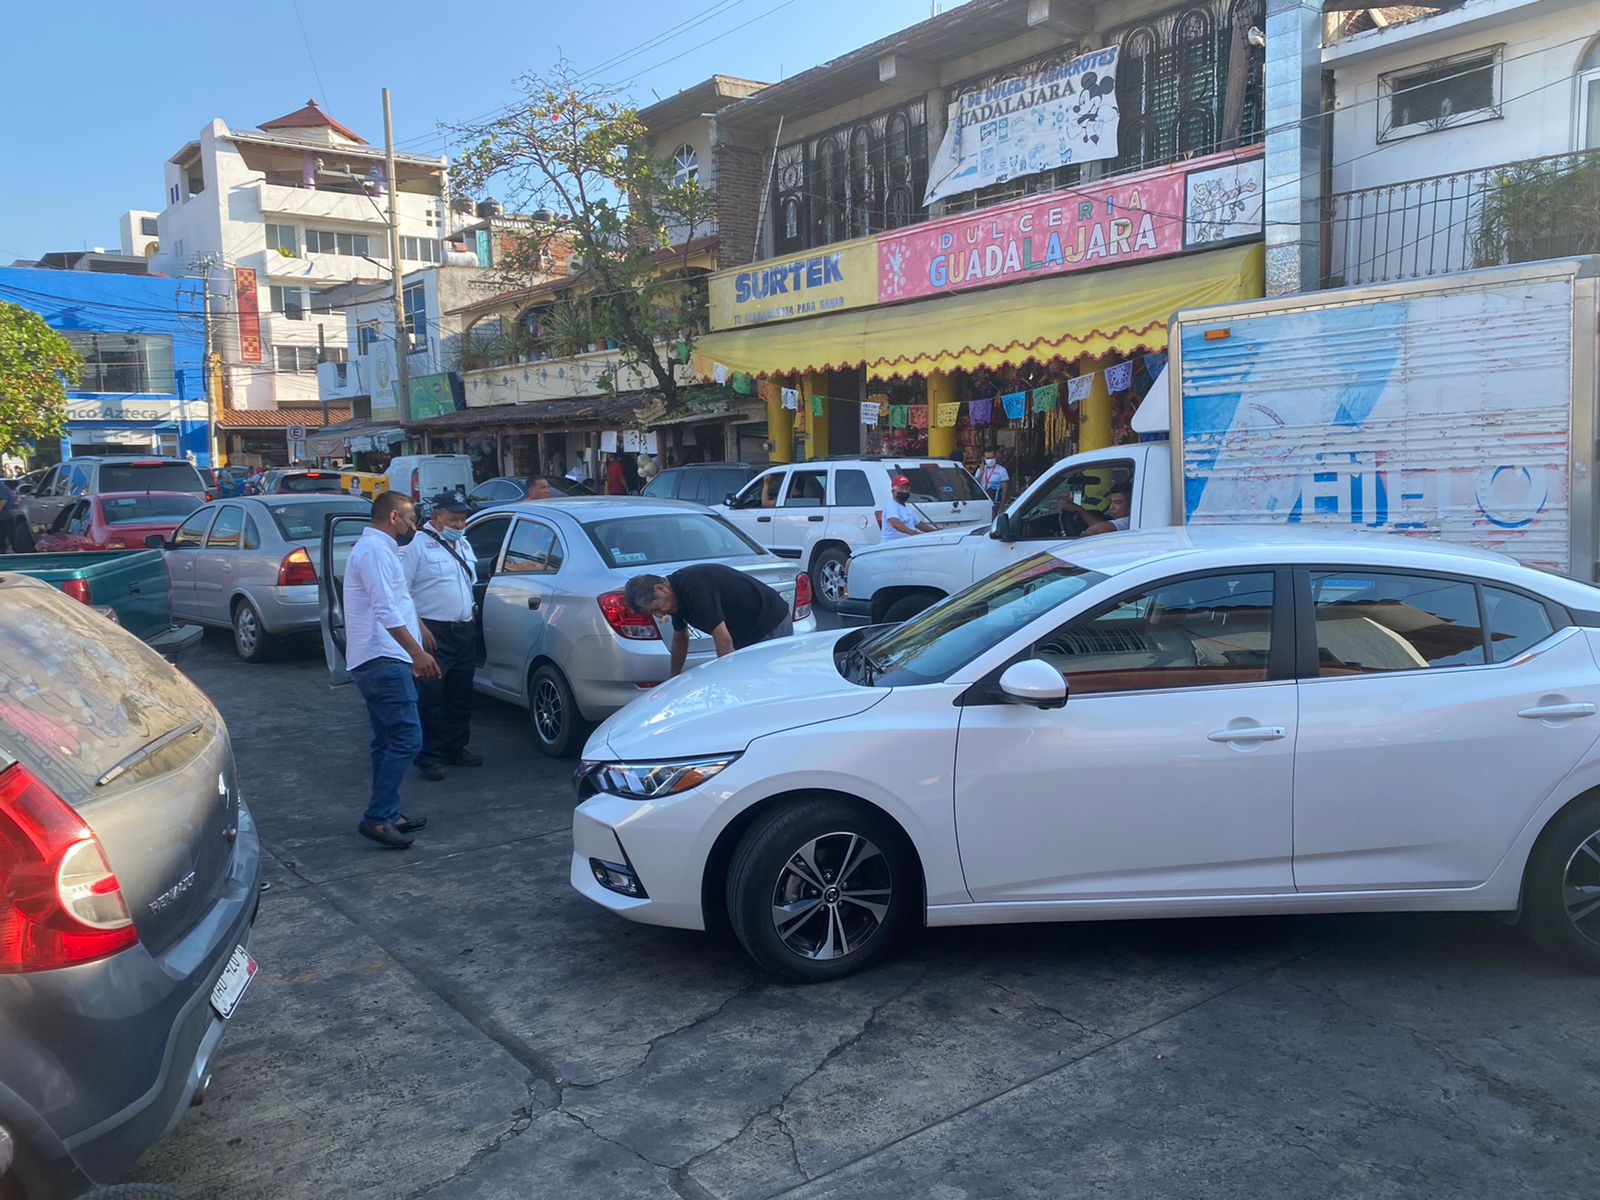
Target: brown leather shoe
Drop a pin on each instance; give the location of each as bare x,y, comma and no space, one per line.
385,834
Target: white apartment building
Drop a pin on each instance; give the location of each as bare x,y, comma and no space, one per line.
1437,113
140,233
275,217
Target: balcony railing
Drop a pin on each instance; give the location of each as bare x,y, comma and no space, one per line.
1513,212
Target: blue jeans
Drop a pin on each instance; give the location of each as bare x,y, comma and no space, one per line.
391,695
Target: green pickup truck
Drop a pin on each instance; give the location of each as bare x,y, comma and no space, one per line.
131,583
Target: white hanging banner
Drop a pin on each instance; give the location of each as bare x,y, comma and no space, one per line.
791,398
719,373
1029,123
1120,377
1078,388
869,412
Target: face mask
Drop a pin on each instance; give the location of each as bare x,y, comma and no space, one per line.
902,497
404,537
451,535
988,462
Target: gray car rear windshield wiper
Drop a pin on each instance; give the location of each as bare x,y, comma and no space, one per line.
148,751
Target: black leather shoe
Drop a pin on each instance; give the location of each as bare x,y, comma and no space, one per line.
411,824
385,834
465,758
430,770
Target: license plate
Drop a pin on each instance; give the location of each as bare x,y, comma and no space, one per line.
236,976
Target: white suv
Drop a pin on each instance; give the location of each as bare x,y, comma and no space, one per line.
819,512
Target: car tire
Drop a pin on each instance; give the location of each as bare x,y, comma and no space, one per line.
558,726
802,853
907,607
250,638
828,576
1567,858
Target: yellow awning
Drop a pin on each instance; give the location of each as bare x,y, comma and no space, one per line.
1122,311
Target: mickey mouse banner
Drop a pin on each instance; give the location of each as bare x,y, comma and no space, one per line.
1066,113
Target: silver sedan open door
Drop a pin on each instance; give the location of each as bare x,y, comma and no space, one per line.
339,534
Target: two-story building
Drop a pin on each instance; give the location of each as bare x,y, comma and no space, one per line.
142,339
273,219
970,235
1461,135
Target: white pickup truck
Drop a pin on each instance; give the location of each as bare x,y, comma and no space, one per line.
1461,407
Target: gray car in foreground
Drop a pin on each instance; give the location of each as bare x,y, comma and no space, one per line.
129,873
246,564
557,638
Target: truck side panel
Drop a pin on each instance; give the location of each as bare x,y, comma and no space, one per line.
1443,412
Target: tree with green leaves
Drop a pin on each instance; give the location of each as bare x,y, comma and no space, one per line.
36,364
577,155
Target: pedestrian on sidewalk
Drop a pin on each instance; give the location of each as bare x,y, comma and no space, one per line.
736,609
992,478
441,572
383,649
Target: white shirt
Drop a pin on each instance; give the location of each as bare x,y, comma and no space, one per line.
441,590
893,508
376,601
993,479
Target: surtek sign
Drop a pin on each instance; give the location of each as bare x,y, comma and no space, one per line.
803,285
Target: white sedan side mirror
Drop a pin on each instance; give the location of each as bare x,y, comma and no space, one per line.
1034,681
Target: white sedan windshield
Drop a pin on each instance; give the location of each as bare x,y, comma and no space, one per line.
955,631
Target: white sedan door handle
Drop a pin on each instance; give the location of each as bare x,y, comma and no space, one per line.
1251,733
1543,712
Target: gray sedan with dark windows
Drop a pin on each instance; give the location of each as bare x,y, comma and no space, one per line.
129,869
557,637
246,564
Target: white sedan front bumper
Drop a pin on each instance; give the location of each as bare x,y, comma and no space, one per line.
657,842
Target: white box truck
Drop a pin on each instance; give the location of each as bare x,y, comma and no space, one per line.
1461,407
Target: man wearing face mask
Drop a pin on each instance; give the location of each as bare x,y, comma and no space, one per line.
383,649
993,477
441,570
900,517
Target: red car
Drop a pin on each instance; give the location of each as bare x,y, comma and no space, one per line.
117,520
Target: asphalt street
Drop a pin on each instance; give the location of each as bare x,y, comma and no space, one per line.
455,1022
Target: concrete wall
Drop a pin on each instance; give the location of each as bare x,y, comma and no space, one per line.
1543,44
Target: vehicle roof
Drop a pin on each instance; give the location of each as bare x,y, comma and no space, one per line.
584,509
139,495
291,498
1235,544
705,466
124,458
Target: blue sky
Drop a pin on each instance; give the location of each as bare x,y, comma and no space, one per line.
94,101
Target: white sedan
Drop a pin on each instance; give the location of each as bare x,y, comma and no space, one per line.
1260,721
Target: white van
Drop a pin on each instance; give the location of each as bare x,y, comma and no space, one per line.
424,476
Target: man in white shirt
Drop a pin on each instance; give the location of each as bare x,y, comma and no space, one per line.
900,519
992,478
441,570
383,650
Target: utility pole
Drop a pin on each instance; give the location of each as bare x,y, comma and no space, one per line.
212,374
402,344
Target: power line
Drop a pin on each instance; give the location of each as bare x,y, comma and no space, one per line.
315,73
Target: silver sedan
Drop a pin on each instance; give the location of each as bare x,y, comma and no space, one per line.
558,638
246,564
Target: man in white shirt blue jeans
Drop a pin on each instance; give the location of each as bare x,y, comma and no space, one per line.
383,649
441,570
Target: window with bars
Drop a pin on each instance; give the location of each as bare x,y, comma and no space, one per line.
1189,83
851,181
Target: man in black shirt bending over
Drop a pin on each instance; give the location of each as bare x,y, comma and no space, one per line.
735,609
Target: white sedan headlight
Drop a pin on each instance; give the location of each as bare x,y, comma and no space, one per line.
651,781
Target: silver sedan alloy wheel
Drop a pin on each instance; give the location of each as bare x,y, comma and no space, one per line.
1580,888
549,714
831,896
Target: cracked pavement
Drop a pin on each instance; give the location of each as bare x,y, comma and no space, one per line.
454,1021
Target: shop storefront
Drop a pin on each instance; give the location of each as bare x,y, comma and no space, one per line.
549,437
1032,328
262,437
